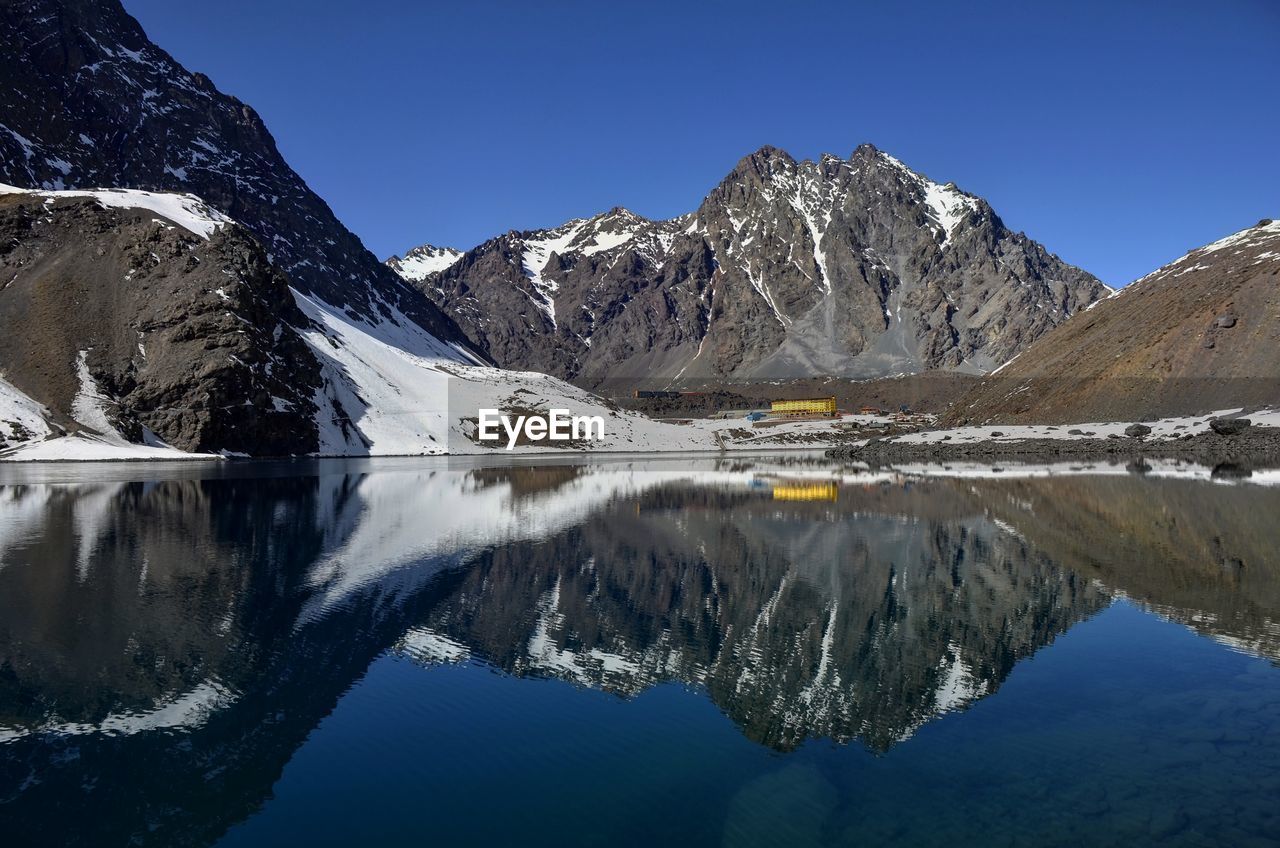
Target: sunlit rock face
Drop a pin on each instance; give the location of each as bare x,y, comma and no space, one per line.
129,327
1194,336
858,267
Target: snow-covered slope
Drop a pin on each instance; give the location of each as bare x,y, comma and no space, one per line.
404,395
27,435
185,210
421,262
384,386
232,348
21,418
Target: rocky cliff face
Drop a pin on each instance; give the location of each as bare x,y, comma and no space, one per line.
149,318
87,101
1198,335
857,267
135,328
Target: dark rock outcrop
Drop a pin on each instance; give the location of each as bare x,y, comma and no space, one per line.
121,322
87,101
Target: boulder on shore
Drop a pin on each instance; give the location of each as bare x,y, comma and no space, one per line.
1137,431
1229,426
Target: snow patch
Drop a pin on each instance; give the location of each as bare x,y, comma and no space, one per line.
537,252
948,205
422,262
186,210
20,416
89,405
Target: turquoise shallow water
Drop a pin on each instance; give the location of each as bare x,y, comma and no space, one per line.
629,653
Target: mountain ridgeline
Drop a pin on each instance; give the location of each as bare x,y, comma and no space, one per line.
169,280
88,101
857,268
1197,335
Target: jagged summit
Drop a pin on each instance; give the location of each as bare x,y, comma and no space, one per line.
857,267
763,161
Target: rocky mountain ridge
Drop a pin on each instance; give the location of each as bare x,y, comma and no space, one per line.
1197,335
145,325
857,267
88,101
281,335
140,329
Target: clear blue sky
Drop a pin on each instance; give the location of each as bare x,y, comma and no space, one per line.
1119,134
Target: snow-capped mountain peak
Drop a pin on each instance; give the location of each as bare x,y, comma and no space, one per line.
423,261
947,205
860,267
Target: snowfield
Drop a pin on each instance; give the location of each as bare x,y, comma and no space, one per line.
185,210
406,394
424,261
89,448
27,435
21,418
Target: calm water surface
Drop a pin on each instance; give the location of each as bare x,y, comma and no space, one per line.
635,653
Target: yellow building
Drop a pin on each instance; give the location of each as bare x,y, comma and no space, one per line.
805,406
806,491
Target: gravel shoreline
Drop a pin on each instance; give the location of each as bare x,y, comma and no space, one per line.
1256,447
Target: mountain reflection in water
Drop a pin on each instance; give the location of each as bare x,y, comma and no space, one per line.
168,645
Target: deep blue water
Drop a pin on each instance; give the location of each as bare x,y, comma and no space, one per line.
635,653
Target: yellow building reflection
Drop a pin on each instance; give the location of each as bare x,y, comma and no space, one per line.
806,491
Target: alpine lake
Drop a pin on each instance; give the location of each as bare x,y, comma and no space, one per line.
754,651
